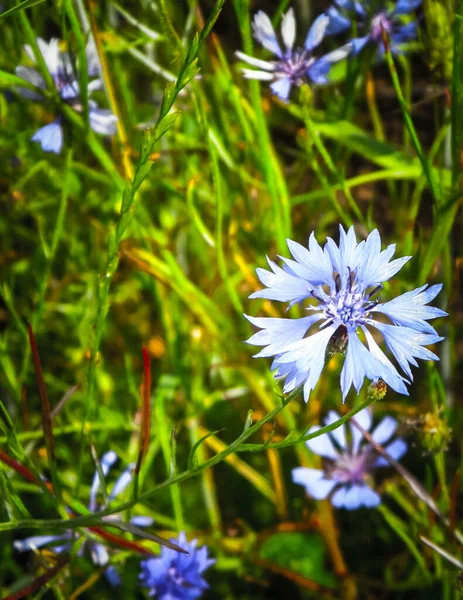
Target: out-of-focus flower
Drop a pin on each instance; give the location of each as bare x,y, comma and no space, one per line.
98,552
349,464
60,67
340,283
372,20
293,66
176,576
433,430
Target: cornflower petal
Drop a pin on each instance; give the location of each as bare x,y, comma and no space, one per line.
256,62
33,77
406,344
358,44
282,286
50,137
338,22
288,29
384,431
281,88
339,497
70,91
37,541
361,495
395,449
405,33
113,576
99,554
265,34
322,445
316,32
122,482
260,75
318,71
102,121
93,60
107,461
338,54
339,434
409,309
141,521
365,420
405,7
314,482
51,54
278,334
360,363
308,356
311,264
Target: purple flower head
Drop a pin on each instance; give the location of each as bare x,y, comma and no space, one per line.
385,17
60,67
338,285
98,552
293,65
176,576
349,463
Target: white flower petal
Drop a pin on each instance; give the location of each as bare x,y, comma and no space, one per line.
288,29
314,482
265,65
322,445
339,434
265,34
385,430
409,309
316,32
395,449
260,75
365,420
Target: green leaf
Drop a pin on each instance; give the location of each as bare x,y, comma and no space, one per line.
301,553
22,6
191,456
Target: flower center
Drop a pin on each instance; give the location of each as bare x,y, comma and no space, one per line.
379,22
347,308
351,468
175,576
295,64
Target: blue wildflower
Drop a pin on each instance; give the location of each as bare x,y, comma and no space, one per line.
384,18
293,65
349,464
59,65
98,552
339,284
176,576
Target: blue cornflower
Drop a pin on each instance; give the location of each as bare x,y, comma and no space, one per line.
339,283
349,463
98,552
385,17
293,65
176,576
61,69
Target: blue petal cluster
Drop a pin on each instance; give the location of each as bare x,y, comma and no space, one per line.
62,71
98,552
349,463
338,284
176,576
371,19
293,65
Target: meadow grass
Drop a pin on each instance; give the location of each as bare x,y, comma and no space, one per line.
127,263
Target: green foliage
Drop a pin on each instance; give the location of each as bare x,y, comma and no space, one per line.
151,238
